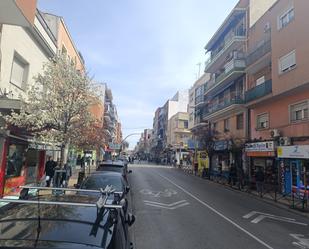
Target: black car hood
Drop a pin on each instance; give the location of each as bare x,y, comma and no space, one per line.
60,226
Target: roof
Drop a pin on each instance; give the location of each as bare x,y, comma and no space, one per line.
61,226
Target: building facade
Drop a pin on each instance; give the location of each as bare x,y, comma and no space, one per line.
224,103
22,159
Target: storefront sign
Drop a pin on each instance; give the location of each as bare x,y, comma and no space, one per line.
260,147
40,146
295,151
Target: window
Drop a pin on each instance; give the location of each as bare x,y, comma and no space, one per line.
240,121
16,158
214,126
287,62
186,124
19,72
260,80
286,18
226,124
299,112
262,121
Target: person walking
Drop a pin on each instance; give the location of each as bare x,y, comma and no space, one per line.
49,170
259,178
67,175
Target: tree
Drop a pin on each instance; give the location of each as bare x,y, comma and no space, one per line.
207,137
56,107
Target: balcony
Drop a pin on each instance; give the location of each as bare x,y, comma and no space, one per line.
259,91
254,59
199,100
232,70
230,43
225,106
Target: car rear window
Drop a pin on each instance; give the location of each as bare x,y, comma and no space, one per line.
100,181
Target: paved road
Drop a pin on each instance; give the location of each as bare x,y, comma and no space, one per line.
177,210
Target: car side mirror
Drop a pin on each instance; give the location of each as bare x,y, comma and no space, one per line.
130,219
130,171
127,189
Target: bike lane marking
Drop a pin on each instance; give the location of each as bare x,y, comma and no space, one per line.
219,213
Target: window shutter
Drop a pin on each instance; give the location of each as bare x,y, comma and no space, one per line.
17,74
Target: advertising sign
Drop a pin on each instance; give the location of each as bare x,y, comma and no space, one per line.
260,147
12,184
295,151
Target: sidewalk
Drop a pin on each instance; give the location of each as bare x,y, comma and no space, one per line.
76,170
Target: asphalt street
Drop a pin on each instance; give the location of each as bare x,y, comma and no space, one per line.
177,210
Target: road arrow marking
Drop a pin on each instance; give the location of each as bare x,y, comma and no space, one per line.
261,216
171,206
302,242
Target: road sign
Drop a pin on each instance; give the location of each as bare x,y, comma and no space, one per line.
171,206
259,216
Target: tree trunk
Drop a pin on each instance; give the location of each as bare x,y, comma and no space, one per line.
64,153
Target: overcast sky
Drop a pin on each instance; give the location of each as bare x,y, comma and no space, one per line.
145,50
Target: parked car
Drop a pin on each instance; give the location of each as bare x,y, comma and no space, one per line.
116,166
67,221
99,180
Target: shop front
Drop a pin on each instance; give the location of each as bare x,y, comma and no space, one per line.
221,159
262,155
294,169
22,163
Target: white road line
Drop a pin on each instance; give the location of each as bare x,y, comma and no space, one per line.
170,208
220,214
163,204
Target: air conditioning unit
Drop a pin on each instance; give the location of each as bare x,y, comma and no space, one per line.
275,133
284,141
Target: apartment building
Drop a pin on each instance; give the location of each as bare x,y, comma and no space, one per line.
278,93
196,105
65,43
224,103
22,160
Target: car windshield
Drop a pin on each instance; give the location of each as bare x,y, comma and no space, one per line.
101,181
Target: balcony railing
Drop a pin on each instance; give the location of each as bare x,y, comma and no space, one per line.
231,67
259,52
259,91
199,99
229,40
226,103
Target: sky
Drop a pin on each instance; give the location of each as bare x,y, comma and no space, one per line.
144,50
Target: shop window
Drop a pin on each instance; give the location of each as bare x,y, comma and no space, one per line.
262,121
299,111
15,160
287,62
240,121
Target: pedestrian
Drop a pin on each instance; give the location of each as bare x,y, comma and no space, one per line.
67,174
195,168
259,179
232,175
49,170
240,175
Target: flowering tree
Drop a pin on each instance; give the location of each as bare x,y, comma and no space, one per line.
56,107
